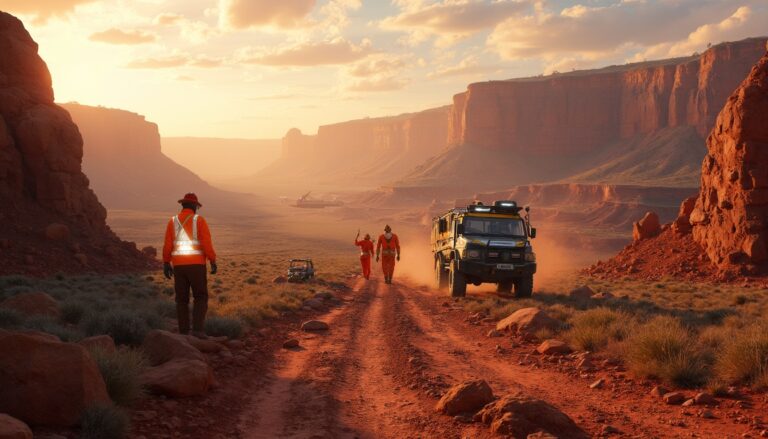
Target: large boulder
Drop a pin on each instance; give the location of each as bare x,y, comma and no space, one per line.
466,397
163,346
552,347
179,378
583,292
648,227
33,304
57,232
47,382
12,428
730,219
682,223
527,321
518,416
103,343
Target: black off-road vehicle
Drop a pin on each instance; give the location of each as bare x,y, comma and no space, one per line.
484,244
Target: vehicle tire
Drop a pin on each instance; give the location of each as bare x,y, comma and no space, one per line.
524,287
505,287
441,276
457,283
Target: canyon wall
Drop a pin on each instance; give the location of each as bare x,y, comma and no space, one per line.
367,151
52,220
123,159
580,111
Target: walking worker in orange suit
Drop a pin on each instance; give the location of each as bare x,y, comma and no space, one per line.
187,246
388,246
366,253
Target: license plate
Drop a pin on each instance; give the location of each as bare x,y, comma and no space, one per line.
505,266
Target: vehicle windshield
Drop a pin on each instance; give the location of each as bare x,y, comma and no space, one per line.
493,226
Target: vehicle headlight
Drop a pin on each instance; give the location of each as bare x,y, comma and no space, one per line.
530,257
473,254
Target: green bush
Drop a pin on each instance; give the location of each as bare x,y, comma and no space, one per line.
104,422
223,326
744,358
10,319
122,373
72,311
593,329
125,327
662,348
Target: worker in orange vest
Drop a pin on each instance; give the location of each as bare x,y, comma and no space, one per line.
366,253
187,246
388,247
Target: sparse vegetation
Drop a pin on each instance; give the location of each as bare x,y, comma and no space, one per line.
223,326
104,421
744,358
594,329
121,371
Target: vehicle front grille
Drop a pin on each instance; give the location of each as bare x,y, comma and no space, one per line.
504,255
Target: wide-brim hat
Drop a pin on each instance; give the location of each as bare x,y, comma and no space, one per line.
190,198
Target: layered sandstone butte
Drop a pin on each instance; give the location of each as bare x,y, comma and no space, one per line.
730,219
52,220
365,152
127,169
576,112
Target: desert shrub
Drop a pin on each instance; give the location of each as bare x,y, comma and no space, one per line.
10,319
168,291
662,348
740,299
72,311
744,358
223,326
593,329
166,309
51,326
121,370
104,421
125,327
15,281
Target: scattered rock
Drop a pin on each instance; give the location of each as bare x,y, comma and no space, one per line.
163,346
102,342
466,397
291,344
149,252
585,364
707,414
603,296
683,222
552,346
674,398
12,428
494,333
597,384
704,398
313,303
688,403
581,293
527,321
314,325
57,232
609,430
82,258
45,382
659,391
519,416
33,304
179,378
648,227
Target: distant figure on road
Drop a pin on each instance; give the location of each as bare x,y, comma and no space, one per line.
366,253
187,247
388,246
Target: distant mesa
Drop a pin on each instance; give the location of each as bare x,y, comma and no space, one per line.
41,181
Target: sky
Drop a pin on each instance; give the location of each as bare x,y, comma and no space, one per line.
256,68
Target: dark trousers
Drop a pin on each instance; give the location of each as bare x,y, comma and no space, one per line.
194,277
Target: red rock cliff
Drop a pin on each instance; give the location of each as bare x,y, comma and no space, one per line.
577,112
730,219
41,181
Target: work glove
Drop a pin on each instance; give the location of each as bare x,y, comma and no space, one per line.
214,268
398,258
167,270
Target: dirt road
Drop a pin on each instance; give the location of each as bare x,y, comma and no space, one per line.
393,349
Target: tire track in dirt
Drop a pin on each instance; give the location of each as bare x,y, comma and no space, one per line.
461,352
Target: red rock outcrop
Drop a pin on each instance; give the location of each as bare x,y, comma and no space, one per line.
730,219
41,181
648,227
576,112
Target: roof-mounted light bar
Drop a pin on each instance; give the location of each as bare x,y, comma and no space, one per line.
498,207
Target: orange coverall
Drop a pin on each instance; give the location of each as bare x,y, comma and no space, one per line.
366,252
389,250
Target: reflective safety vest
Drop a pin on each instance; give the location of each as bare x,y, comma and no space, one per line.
182,244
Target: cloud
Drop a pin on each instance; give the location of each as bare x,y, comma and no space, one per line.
470,66
337,51
591,31
117,36
173,61
451,19
42,10
746,21
168,19
383,65
243,14
378,73
336,15
377,84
